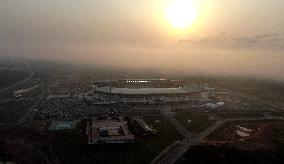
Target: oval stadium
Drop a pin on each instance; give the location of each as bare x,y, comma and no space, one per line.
145,91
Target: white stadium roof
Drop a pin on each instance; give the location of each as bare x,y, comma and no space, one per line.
143,90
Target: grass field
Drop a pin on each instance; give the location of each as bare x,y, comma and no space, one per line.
272,130
239,115
279,114
227,154
199,121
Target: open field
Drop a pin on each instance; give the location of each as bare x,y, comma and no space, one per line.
239,114
265,144
263,134
8,77
268,91
23,145
280,114
12,110
227,154
194,121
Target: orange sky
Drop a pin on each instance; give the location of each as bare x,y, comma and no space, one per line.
228,36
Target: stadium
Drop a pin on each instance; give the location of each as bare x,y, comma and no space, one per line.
145,91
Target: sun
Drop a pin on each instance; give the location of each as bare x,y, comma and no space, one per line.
181,13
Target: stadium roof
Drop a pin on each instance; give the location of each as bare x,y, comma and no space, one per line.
143,90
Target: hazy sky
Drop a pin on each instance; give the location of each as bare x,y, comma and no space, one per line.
233,37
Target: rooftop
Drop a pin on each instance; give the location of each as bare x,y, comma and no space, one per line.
62,125
109,131
144,90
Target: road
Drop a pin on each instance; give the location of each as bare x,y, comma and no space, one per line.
180,128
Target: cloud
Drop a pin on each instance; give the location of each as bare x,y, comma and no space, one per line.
227,40
261,37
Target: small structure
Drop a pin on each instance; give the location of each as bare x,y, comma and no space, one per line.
242,131
147,130
213,106
62,125
108,131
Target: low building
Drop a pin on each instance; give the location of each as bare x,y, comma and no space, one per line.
147,130
62,125
108,131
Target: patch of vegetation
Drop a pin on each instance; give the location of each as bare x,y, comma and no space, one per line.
24,145
239,115
225,154
279,114
272,131
11,111
194,121
263,89
8,77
